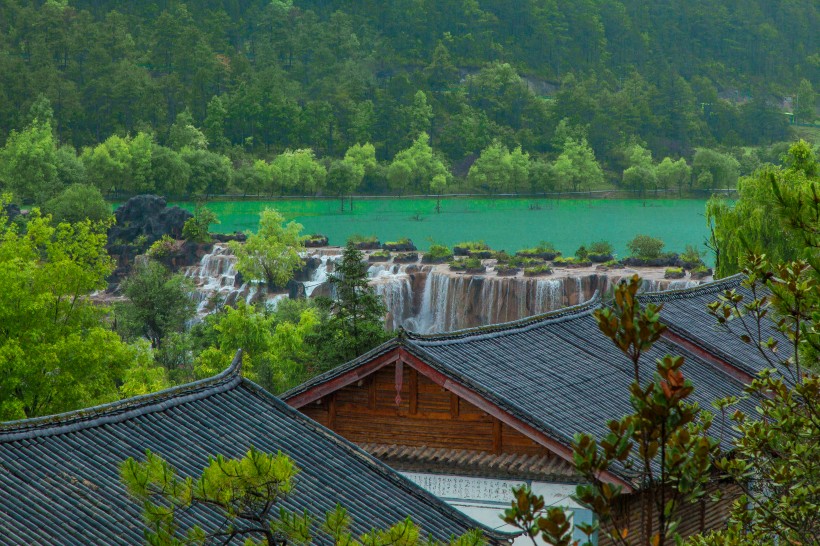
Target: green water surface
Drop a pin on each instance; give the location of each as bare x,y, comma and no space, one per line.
504,224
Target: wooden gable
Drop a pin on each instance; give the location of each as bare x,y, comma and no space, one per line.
419,412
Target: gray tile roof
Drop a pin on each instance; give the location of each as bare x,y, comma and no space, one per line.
685,313
59,475
556,372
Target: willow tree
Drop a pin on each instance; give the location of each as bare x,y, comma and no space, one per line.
754,223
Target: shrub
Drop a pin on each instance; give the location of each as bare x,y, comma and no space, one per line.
379,256
701,272
692,256
402,245
162,248
600,247
359,238
437,254
406,257
470,248
646,247
315,240
537,271
544,250
674,273
582,253
467,264
504,270
197,228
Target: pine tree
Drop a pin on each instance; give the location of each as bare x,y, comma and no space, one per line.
356,321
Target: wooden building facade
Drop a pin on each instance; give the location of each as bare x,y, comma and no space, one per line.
469,414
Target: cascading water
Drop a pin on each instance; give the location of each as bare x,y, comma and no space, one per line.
423,298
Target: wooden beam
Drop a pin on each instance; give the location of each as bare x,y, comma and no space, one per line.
497,447
700,352
371,391
414,391
331,411
454,405
343,380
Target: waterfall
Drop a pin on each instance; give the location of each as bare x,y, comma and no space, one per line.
318,277
425,299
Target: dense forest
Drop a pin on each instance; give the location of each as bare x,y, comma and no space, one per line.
205,90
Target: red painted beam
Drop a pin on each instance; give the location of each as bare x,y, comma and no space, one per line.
702,353
352,376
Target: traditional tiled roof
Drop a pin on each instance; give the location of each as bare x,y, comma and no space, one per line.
555,372
685,313
474,463
59,475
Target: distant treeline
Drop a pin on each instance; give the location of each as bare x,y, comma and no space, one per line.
213,87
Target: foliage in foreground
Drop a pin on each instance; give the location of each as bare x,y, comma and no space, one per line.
247,493
664,445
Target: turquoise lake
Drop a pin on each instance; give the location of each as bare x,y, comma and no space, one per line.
504,223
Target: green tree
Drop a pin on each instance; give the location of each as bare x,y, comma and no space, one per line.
272,253
413,168
55,353
498,169
752,225
211,173
197,228
28,163
158,303
108,165
673,174
274,351
76,203
576,167
646,247
356,321
247,492
723,167
806,100
184,134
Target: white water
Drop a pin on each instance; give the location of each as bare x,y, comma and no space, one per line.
447,301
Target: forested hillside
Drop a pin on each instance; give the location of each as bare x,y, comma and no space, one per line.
259,77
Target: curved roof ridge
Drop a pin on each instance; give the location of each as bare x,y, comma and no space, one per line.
713,286
121,410
519,325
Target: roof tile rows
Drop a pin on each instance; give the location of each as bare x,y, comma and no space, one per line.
59,475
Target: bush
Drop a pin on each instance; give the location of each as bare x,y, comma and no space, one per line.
700,272
470,265
674,273
76,203
197,228
402,245
645,247
471,247
437,254
600,247
162,248
315,240
406,257
581,253
362,242
505,270
544,250
537,271
692,257
379,256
